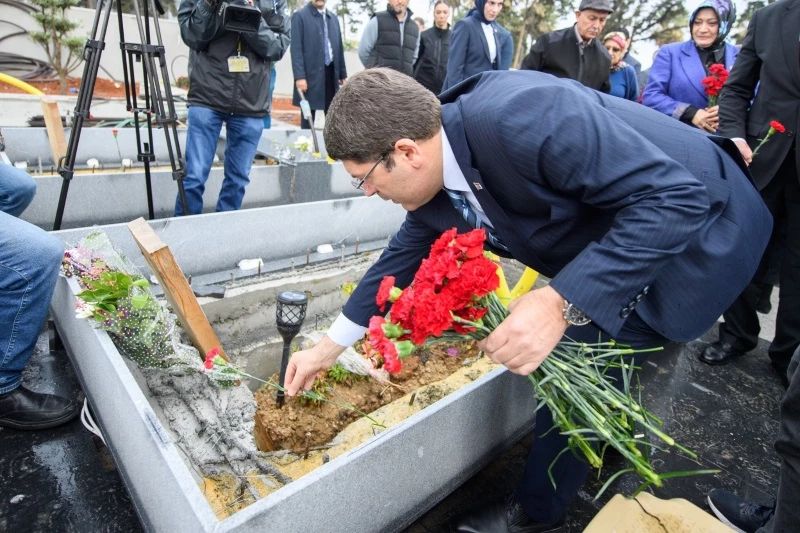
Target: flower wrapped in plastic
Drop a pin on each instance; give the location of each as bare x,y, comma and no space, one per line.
118,298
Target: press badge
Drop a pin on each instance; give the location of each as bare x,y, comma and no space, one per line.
238,64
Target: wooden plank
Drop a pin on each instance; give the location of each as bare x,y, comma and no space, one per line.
55,128
177,290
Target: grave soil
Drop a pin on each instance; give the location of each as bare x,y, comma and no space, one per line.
288,427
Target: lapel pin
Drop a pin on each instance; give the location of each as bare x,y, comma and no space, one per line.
477,185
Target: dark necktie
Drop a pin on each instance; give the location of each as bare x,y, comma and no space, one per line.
465,210
326,42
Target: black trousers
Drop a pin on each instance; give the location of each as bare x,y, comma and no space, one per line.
330,92
741,326
787,505
536,493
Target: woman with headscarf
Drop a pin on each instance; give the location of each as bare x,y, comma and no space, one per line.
478,44
623,77
675,85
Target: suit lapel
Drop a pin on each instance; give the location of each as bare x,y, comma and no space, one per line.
482,36
693,67
504,227
790,28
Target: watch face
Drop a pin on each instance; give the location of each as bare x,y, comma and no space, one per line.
575,316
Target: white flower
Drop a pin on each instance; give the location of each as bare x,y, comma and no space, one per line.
84,310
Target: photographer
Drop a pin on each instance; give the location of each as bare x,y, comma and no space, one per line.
229,69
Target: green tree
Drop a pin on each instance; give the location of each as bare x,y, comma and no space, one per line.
656,20
63,50
743,19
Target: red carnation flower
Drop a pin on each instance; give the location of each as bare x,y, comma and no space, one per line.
777,126
383,291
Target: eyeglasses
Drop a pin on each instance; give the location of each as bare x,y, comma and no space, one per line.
359,183
613,50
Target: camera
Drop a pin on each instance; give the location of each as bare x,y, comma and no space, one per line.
240,16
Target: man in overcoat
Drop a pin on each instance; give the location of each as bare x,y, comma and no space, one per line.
317,57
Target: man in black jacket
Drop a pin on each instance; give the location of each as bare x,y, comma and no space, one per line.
434,49
228,77
575,52
391,39
769,60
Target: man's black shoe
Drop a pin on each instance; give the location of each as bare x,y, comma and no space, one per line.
719,353
502,517
783,374
25,409
736,513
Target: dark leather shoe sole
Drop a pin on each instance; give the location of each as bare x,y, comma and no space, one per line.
39,424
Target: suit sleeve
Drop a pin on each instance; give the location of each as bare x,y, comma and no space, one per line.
739,90
340,53
535,58
655,95
507,52
401,259
298,64
582,152
459,42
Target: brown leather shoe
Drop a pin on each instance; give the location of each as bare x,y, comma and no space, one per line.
24,409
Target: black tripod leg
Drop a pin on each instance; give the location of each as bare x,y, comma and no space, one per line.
91,55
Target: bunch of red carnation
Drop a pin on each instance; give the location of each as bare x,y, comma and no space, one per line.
713,83
452,292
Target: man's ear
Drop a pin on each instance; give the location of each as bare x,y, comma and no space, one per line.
410,150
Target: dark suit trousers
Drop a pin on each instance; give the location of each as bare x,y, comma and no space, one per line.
741,326
330,92
787,505
536,493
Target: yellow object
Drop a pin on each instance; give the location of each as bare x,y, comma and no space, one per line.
648,514
19,84
525,283
522,286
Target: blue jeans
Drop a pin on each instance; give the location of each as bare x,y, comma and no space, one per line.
268,118
243,134
29,262
16,190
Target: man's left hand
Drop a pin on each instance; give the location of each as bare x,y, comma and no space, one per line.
529,333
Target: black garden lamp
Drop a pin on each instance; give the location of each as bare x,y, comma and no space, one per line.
289,316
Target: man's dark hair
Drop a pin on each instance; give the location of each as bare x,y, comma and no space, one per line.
373,110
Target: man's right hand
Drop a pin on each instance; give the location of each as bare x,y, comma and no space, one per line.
304,366
301,84
744,149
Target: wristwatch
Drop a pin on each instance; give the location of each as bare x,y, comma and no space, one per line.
574,316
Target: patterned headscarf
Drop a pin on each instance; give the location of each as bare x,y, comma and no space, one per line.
726,11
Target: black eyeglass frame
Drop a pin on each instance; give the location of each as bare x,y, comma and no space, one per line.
359,184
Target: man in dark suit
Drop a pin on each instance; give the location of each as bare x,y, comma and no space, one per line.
575,52
769,57
648,228
317,57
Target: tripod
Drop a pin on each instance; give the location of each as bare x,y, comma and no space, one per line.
157,103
